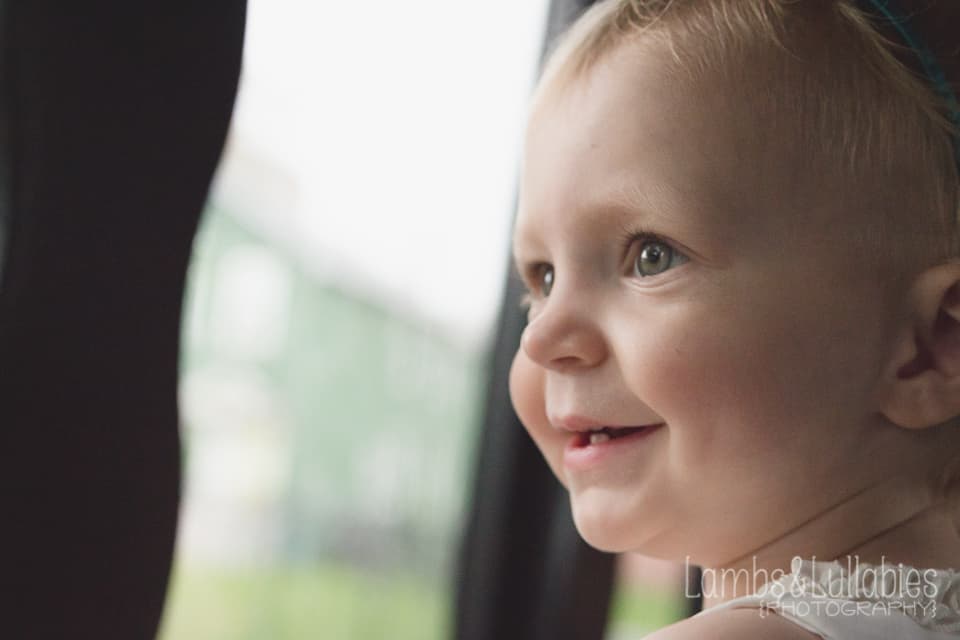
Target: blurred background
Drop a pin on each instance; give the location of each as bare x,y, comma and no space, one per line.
341,303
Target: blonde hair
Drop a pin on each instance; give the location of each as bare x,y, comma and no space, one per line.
835,78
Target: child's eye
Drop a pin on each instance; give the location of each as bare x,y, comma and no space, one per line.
546,279
655,257
543,281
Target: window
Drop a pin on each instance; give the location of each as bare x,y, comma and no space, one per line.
340,309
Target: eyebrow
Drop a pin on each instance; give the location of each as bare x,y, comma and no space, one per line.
626,206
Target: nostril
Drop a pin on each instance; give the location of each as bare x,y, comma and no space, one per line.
562,363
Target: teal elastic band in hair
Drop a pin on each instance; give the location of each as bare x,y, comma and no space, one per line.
899,20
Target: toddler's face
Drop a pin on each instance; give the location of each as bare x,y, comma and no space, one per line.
746,327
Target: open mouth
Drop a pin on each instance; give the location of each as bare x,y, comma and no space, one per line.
599,436
607,446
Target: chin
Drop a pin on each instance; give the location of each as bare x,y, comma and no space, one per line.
602,528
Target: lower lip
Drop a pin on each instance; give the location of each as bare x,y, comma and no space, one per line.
577,457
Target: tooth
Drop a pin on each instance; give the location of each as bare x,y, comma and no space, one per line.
598,436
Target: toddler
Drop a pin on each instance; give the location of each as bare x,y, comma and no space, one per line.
738,230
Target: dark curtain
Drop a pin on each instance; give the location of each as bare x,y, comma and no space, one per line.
112,119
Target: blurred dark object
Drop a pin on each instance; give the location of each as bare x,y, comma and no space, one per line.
935,23
113,118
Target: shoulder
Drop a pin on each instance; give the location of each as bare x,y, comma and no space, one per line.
735,624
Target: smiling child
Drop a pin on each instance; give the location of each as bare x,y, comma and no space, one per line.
738,230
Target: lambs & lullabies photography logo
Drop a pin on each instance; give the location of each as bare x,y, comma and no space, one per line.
831,588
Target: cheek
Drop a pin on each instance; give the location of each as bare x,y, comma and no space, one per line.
738,385
526,391
527,396
728,384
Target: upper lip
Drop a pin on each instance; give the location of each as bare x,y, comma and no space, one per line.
575,422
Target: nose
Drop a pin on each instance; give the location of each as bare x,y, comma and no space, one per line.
564,333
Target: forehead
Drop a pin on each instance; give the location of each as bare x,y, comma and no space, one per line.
696,158
628,141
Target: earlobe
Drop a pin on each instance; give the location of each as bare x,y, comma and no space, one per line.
923,378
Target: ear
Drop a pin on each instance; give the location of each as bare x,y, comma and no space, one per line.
923,378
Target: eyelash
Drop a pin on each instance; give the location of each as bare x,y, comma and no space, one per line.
526,299
628,236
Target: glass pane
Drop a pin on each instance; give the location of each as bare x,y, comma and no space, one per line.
340,307
648,595
326,443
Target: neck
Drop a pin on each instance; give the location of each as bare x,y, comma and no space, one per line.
895,520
